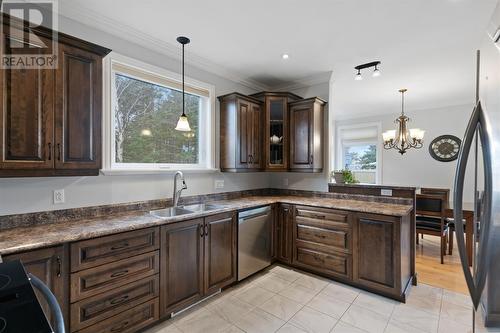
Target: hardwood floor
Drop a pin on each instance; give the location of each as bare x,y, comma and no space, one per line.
448,275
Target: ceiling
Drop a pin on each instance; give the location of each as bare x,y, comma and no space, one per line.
425,46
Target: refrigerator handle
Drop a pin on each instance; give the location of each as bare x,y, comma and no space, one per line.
474,283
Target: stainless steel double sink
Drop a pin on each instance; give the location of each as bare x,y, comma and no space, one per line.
184,210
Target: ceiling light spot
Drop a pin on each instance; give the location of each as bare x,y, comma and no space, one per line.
285,56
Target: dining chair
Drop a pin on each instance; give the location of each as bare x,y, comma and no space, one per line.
445,193
431,219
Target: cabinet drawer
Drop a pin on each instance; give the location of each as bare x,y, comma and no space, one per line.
332,264
97,308
322,214
96,280
331,237
129,321
102,250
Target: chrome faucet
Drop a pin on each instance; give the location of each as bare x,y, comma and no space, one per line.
177,193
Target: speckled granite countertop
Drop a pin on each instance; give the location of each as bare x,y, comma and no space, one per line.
28,238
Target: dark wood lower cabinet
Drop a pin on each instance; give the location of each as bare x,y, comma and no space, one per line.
128,281
181,265
130,321
97,308
221,254
51,266
198,258
284,233
367,250
381,253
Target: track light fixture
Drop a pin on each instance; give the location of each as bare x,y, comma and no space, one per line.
375,73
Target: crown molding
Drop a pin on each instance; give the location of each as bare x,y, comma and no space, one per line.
98,21
305,82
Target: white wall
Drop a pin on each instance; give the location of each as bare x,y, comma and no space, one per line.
22,195
417,167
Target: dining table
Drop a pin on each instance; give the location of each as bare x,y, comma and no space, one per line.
468,216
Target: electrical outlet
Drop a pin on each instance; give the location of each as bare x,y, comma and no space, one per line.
219,184
285,181
386,192
58,197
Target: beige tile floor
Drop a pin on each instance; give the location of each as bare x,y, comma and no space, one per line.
282,299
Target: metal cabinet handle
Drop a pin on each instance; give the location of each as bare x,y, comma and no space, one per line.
202,233
119,247
59,266
477,282
58,151
50,151
311,159
206,230
119,273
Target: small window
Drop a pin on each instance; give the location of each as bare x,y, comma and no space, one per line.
145,106
361,159
359,151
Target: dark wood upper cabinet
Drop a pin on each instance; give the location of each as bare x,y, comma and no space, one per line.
271,131
240,133
275,129
51,266
26,113
78,109
50,119
306,135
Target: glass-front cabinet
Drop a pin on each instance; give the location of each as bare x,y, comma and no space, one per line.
276,130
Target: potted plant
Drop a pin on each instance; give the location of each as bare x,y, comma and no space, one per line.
344,176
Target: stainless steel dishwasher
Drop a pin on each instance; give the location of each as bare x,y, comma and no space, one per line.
254,240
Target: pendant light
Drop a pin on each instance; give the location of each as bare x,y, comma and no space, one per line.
183,124
403,138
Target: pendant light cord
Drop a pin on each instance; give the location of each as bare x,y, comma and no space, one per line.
183,93
402,103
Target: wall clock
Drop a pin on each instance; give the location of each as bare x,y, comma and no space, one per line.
445,148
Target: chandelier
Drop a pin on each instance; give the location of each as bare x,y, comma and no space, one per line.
403,138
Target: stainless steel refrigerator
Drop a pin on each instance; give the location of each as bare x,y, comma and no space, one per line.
481,146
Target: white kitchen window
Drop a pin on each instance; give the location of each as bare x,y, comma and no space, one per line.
144,103
359,151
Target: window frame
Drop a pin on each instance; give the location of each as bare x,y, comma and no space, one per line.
206,138
363,141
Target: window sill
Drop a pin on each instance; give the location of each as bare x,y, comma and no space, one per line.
130,172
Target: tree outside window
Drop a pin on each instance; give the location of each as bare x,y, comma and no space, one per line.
145,117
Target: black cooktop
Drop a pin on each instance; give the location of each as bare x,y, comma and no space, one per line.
20,311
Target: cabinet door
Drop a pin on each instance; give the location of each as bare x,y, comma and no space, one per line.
284,233
78,109
51,266
181,265
244,142
376,240
220,251
256,142
276,127
26,113
301,153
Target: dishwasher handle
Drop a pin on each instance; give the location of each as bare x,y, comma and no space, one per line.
253,212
